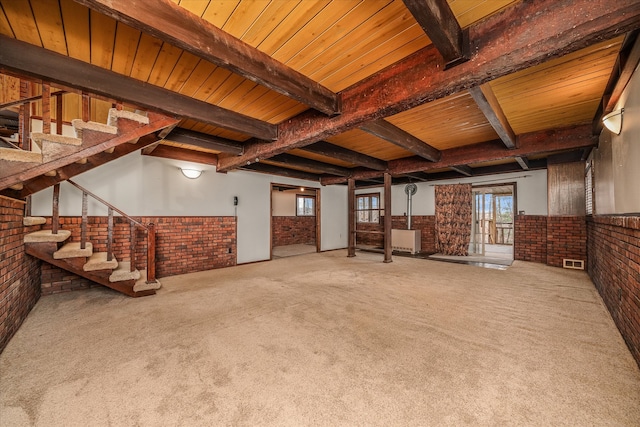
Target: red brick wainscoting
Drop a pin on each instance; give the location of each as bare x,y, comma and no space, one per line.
183,245
19,273
292,230
424,223
614,267
550,239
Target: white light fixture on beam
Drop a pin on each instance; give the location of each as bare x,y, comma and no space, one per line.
191,173
613,121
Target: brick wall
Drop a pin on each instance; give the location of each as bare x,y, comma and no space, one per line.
614,267
291,230
424,223
183,245
566,238
19,272
550,239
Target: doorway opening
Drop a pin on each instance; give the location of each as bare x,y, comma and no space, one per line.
295,220
492,231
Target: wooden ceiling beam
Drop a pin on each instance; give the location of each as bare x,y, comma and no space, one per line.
537,31
177,26
462,169
488,103
439,23
276,170
393,134
550,141
202,140
177,153
36,62
330,150
291,160
523,161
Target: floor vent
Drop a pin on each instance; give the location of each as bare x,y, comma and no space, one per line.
576,264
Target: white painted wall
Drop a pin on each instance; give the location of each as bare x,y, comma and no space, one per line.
151,186
531,192
283,203
616,159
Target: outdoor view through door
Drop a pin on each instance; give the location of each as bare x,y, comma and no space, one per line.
492,226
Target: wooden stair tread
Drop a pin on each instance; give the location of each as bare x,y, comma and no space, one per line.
42,236
33,220
98,261
13,155
73,250
39,138
123,273
79,126
115,114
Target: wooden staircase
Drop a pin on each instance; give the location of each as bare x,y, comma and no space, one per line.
78,257
54,158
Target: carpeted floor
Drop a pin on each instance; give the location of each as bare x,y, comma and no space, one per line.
326,340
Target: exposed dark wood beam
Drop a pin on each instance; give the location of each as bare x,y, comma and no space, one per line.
36,62
179,27
41,182
566,157
440,24
275,170
30,99
416,176
626,63
330,150
490,107
291,160
462,169
202,140
523,162
177,153
537,31
570,138
393,134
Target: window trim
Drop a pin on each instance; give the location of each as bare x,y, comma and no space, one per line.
369,210
313,207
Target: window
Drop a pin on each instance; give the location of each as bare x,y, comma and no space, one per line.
368,208
305,205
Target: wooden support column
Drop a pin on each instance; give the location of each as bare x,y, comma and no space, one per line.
59,113
151,253
132,247
46,108
25,116
110,234
351,202
55,217
387,218
83,225
86,107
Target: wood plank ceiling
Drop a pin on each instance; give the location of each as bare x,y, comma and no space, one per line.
338,45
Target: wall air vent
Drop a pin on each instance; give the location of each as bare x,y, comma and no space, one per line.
575,264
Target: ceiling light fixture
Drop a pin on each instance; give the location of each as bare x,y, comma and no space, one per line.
191,173
613,121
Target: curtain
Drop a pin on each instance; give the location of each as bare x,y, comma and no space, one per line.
454,204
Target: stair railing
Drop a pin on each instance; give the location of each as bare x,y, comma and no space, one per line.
134,225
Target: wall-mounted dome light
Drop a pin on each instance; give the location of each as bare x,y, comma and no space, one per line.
613,121
191,173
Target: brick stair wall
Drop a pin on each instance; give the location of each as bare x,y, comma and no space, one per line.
19,273
292,230
614,268
183,245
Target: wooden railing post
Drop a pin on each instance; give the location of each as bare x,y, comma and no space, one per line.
110,234
83,226
46,108
25,116
151,253
55,219
133,246
86,107
59,113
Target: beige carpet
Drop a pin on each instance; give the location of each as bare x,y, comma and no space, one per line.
326,340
